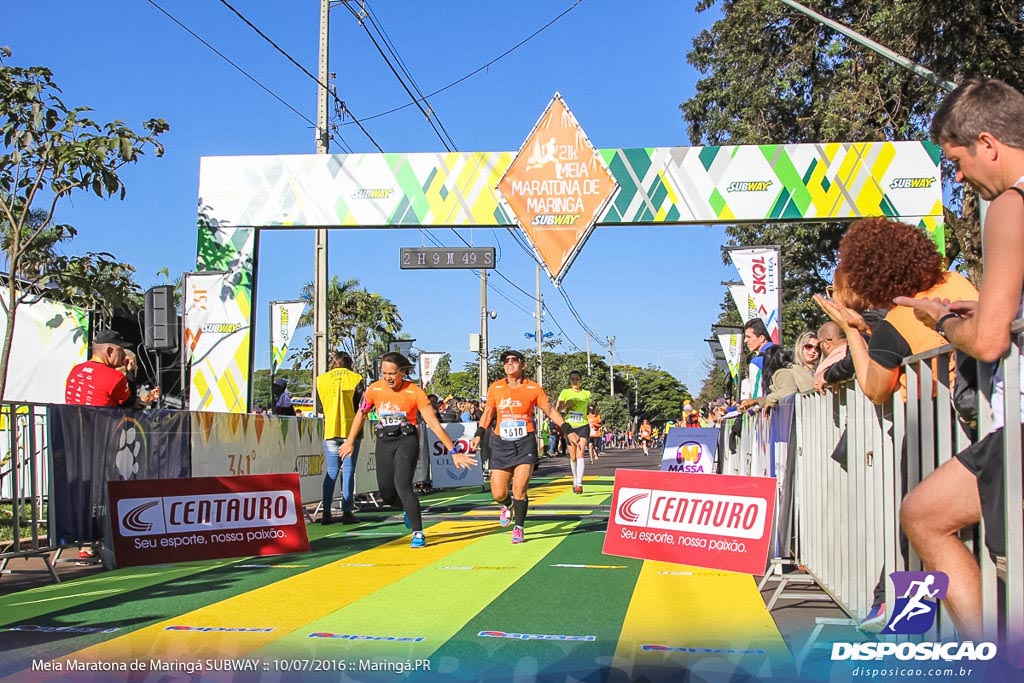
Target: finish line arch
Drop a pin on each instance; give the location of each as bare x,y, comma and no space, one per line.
239,195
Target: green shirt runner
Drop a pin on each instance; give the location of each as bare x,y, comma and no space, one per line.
575,403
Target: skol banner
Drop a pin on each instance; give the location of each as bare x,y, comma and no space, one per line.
205,518
443,473
759,268
428,364
284,320
217,342
92,446
240,444
690,450
722,522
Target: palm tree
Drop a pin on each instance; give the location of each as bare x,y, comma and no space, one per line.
358,321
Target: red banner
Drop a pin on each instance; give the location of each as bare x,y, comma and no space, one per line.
718,522
203,518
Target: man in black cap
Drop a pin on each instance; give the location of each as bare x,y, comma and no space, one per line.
97,382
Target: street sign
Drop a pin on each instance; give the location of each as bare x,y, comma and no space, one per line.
426,258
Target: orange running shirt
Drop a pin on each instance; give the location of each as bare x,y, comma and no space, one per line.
595,425
513,406
394,407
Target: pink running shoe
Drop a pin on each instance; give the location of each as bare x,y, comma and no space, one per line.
505,518
517,535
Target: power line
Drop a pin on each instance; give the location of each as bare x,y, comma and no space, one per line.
487,65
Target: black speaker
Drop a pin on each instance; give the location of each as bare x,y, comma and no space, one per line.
160,330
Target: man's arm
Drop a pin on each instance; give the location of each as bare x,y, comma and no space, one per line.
984,330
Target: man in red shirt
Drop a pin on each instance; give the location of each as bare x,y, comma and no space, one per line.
97,382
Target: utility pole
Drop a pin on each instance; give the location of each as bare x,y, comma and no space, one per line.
540,334
483,332
611,355
320,240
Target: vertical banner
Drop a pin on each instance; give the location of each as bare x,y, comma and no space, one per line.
690,450
284,320
217,342
743,301
92,446
731,341
718,353
759,268
428,364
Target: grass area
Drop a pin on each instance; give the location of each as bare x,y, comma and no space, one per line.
25,512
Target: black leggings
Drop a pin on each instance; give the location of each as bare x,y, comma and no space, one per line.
396,467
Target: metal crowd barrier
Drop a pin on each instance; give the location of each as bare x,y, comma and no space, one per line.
846,515
24,483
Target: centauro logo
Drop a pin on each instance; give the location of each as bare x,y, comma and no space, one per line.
911,183
221,328
373,193
714,514
749,186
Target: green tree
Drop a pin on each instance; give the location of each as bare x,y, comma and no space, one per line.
772,75
50,151
715,385
358,321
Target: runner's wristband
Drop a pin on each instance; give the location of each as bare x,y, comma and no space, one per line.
479,432
454,451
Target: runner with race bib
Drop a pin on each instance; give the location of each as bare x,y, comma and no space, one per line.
509,411
573,402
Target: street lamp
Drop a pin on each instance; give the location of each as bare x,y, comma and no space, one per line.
540,351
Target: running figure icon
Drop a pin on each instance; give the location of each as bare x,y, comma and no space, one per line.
916,606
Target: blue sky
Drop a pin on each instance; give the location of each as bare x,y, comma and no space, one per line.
620,66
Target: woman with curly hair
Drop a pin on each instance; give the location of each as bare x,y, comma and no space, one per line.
879,260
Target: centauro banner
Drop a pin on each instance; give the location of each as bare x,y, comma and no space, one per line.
217,343
759,269
284,320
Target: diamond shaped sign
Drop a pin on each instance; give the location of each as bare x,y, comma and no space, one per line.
557,187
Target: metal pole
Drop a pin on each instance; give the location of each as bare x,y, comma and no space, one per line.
930,76
588,354
483,332
540,338
320,240
611,355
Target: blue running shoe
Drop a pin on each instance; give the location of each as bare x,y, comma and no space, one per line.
418,540
405,518
875,620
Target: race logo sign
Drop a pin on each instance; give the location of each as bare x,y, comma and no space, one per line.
720,522
203,518
557,187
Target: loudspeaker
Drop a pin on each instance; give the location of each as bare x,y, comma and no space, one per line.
160,329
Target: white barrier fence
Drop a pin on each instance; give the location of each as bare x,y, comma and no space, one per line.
855,461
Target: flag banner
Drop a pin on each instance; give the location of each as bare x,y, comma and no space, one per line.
718,353
284,320
721,522
93,446
759,269
690,450
428,364
216,325
206,518
443,472
732,349
744,302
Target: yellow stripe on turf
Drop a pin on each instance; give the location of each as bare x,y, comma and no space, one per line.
719,611
285,605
